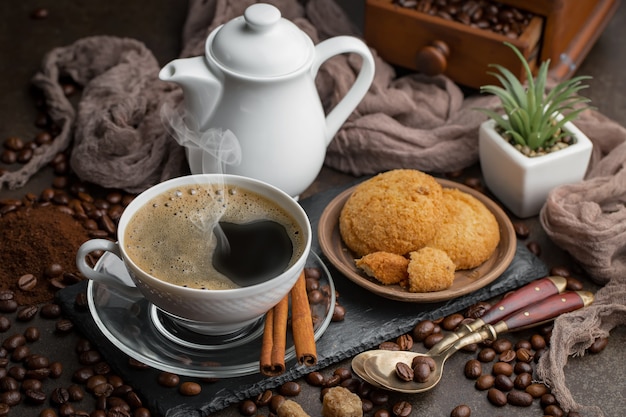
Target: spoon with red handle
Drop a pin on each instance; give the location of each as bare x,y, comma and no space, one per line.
379,366
528,294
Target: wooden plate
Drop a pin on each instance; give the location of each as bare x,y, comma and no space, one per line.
465,281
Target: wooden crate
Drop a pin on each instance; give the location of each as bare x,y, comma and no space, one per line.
561,30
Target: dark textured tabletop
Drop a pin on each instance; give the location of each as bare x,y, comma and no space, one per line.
593,379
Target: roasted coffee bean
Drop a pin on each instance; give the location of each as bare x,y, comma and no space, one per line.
75,392
422,330
378,396
276,402
461,411
598,345
35,396
56,369
402,409
120,390
389,346
53,270
405,342
36,362
59,396
537,390
452,321
473,369
521,230
102,390
94,381
264,398
503,383
351,384
32,334
507,356
140,412
554,411
339,313
519,398
537,342
50,311
190,388
573,284
404,372
67,410
485,382
8,306
168,379
47,412
11,398
332,381
523,367
89,357
27,282
14,341
101,368
64,326
523,355
502,368
496,397
523,344
8,383
247,408
382,413
290,389
432,340
424,359
477,310
5,324
343,373
501,344
29,384
523,380
547,399
366,405
421,372
17,372
27,313
315,378
486,355
534,248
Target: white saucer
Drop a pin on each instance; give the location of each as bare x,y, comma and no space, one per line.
146,334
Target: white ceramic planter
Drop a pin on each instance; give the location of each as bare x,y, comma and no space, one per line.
521,183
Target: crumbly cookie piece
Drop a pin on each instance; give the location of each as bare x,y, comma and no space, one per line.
341,402
469,234
430,269
290,408
388,268
398,211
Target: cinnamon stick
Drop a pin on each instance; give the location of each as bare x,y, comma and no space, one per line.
272,360
302,324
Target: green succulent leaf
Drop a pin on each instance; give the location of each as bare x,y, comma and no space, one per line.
529,112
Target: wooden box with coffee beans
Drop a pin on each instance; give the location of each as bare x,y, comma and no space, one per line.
460,38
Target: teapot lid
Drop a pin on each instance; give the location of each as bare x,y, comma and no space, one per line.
259,43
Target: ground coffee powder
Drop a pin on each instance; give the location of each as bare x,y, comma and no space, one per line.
32,240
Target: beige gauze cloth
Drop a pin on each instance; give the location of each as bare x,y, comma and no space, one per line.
118,139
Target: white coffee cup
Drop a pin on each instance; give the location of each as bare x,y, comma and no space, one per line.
212,312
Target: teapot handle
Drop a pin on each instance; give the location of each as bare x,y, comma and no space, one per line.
335,46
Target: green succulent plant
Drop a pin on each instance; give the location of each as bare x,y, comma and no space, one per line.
530,111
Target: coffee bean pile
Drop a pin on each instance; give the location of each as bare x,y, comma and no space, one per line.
482,14
44,386
502,369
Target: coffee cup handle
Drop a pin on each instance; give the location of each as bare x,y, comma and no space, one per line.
95,275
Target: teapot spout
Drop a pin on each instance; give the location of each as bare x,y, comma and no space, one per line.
201,89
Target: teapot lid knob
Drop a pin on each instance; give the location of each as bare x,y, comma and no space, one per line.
261,16
260,44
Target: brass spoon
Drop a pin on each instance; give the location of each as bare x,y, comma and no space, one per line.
532,292
379,366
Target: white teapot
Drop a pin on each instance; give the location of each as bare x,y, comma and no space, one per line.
257,80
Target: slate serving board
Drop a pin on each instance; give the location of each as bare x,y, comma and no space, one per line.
369,321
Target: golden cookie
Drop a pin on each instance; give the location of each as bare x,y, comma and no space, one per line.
469,234
430,270
386,267
397,211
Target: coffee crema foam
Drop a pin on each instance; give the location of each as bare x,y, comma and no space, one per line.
171,236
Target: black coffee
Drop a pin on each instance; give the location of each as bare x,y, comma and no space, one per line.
253,252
